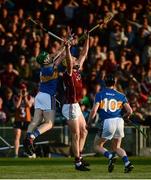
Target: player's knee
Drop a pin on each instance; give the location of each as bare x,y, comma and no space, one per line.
17,138
49,124
116,149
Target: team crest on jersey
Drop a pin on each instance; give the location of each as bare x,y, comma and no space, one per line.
44,78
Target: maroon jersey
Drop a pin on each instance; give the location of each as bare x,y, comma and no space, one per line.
73,87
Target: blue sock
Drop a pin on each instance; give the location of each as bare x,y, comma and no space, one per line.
125,159
36,133
107,154
28,134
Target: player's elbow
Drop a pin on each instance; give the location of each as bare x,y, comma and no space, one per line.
129,111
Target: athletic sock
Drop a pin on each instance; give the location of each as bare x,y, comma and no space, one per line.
81,156
125,160
107,154
28,134
77,161
35,134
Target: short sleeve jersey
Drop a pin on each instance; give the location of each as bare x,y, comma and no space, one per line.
110,103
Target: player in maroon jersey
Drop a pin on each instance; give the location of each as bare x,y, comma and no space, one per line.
71,108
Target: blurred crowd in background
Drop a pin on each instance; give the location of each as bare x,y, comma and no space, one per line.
122,47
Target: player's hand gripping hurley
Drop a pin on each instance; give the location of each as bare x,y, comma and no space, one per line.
105,21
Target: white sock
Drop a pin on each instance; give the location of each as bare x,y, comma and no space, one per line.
110,156
78,163
127,163
32,136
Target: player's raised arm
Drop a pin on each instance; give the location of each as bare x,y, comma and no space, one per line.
69,59
84,52
60,56
61,53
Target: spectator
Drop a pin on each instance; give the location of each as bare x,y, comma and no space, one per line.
85,103
146,111
96,88
45,42
130,34
34,66
110,64
2,113
70,9
23,68
136,67
9,54
22,47
101,53
117,39
2,49
9,76
146,54
140,40
9,105
85,100
124,65
51,22
100,79
4,17
147,82
137,116
23,103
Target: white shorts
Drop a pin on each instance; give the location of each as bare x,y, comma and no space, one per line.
113,128
44,101
71,111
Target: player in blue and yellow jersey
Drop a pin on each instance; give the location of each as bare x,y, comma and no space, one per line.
110,105
44,102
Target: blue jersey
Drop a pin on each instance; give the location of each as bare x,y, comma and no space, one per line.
110,103
48,80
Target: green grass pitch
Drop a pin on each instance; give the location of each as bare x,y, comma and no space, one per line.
62,168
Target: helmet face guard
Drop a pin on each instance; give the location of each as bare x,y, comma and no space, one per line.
63,62
77,66
43,58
